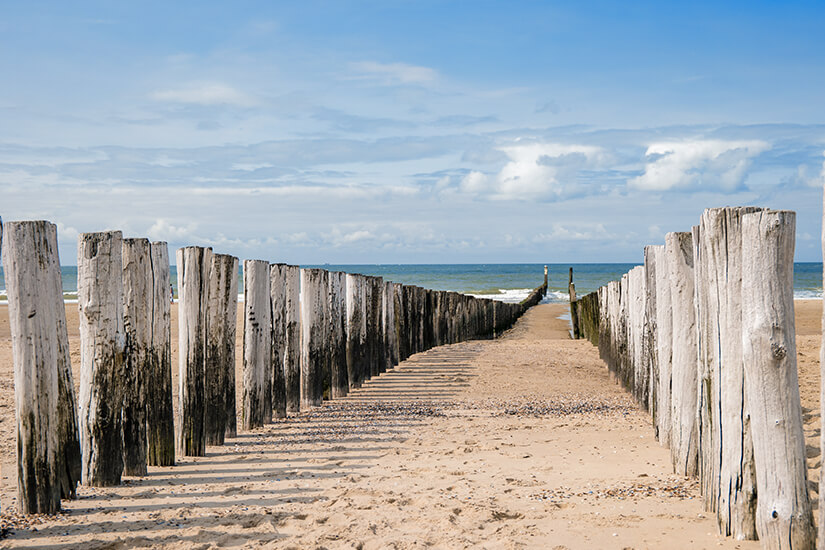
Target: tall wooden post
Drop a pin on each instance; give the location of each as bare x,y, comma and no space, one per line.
102,346
337,307
313,336
574,317
221,323
159,408
684,384
733,483
783,511
257,345
356,325
48,450
277,291
137,323
650,331
292,351
194,263
664,342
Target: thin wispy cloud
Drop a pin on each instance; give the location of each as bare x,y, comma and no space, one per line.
205,94
392,73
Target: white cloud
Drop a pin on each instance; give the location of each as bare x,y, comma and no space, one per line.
393,73
208,94
535,171
561,233
689,164
162,230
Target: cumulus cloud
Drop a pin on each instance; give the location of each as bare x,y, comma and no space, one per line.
393,73
581,232
162,230
535,171
205,94
715,164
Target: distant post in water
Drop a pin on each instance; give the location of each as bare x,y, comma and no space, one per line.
137,323
102,343
221,311
257,345
194,263
783,510
48,451
313,336
159,409
277,291
292,345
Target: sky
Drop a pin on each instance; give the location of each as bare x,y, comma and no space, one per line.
410,132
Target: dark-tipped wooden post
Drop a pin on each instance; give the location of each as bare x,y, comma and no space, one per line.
277,293
313,336
356,326
337,307
221,321
159,408
48,452
574,314
102,343
292,351
257,345
137,324
194,263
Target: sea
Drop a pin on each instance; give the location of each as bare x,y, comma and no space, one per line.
505,282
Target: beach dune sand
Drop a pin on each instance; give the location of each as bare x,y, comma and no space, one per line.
519,442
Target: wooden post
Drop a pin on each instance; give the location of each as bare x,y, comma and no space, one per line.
783,512
664,343
257,345
137,324
355,329
574,318
388,308
650,329
194,263
221,323
277,294
545,279
683,441
292,344
102,343
313,336
159,408
48,450
733,483
337,307
637,361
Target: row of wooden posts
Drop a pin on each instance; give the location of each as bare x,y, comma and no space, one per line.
308,334
703,337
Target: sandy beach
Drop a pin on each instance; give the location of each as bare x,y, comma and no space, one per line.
519,442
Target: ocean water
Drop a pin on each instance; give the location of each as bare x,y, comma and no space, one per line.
506,282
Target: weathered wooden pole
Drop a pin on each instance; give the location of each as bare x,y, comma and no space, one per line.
720,334
663,343
257,345
292,343
102,346
355,328
194,264
684,384
650,329
277,294
397,321
48,450
137,324
783,511
221,325
337,307
159,408
313,336
388,308
638,361
574,317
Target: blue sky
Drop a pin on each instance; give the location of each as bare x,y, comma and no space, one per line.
410,132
